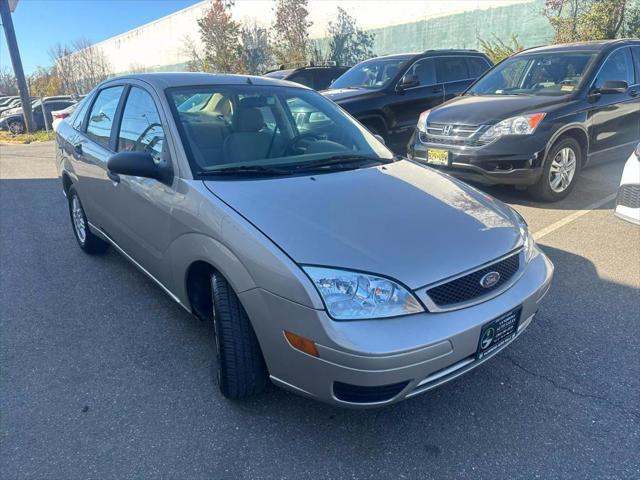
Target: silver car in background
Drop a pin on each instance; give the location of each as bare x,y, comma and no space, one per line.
322,261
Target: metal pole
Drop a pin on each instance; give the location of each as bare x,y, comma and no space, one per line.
14,53
44,114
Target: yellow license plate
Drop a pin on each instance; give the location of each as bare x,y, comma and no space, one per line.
438,157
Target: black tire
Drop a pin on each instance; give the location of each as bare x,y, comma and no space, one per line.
543,190
89,243
16,127
241,370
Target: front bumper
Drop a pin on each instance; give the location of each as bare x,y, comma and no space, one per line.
506,161
415,352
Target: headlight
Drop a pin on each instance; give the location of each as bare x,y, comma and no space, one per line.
527,239
522,125
355,296
422,121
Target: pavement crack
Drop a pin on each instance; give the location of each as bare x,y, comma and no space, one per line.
570,390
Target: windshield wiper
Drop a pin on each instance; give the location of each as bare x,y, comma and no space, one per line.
244,170
341,162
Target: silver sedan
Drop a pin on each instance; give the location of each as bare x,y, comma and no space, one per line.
322,261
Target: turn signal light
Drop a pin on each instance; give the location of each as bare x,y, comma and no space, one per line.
300,343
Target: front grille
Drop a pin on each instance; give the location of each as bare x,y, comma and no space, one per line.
455,130
358,394
451,141
629,196
468,287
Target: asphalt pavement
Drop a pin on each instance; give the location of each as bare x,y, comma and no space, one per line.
103,376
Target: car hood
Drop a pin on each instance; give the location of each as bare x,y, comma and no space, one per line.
344,94
489,109
402,220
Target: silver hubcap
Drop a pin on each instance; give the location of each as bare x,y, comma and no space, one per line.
78,219
562,170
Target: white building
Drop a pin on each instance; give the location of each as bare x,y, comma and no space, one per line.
159,45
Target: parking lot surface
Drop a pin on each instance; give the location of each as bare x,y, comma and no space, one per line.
103,376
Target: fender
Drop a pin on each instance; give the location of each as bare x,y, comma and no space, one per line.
575,125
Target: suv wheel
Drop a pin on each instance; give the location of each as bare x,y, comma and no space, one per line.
241,370
88,242
560,171
16,127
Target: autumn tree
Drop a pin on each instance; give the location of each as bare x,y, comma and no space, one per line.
581,20
291,31
256,50
220,36
348,44
497,49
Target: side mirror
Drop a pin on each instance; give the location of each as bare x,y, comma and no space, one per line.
613,86
379,138
408,81
138,164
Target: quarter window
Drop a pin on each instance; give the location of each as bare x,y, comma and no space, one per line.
79,113
141,129
102,114
476,66
452,69
618,66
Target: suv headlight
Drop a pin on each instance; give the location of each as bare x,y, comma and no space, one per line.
357,296
521,125
422,121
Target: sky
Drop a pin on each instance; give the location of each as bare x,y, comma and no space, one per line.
40,24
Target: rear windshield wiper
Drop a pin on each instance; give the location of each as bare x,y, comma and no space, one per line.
244,170
340,161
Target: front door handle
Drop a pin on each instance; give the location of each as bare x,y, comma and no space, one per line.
634,93
77,149
114,177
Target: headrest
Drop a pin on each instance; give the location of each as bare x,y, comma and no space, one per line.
249,120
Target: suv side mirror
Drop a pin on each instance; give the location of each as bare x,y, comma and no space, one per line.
613,86
408,81
138,164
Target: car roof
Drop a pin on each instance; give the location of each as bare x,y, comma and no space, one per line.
185,79
426,53
591,46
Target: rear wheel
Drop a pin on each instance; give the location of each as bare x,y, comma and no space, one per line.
560,171
88,242
16,127
241,370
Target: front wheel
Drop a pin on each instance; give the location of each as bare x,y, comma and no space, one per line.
88,242
560,171
16,127
241,370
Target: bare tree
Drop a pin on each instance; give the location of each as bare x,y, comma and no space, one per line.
256,50
196,61
80,66
8,82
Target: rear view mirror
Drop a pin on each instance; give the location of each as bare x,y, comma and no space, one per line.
138,164
613,86
408,81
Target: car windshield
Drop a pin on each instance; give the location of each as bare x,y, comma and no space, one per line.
372,74
270,130
558,73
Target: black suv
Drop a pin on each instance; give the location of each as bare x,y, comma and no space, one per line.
388,93
538,117
318,77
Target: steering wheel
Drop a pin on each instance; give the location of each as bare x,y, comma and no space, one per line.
292,143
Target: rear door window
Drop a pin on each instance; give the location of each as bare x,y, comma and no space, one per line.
452,69
425,70
141,129
619,66
476,66
636,59
102,115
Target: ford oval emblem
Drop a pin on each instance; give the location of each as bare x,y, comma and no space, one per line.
490,280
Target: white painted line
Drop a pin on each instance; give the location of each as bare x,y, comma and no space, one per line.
573,217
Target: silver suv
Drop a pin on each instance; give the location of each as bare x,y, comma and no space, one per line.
322,261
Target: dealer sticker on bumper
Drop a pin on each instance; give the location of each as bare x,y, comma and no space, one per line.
497,333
